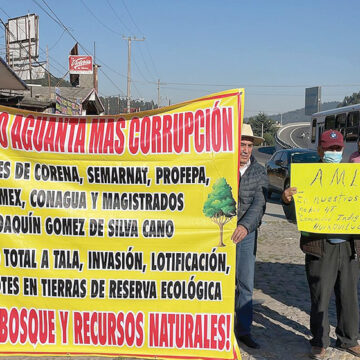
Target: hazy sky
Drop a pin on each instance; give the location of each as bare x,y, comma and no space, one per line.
272,48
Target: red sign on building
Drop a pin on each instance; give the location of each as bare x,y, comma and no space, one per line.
80,64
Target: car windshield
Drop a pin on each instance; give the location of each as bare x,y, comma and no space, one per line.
307,157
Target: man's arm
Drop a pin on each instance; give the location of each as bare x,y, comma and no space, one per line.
252,218
239,234
288,203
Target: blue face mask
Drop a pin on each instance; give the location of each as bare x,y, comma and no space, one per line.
332,156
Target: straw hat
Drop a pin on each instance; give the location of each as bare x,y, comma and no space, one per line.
246,130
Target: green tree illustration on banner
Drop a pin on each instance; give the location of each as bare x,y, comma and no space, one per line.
220,205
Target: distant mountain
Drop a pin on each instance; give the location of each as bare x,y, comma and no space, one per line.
299,115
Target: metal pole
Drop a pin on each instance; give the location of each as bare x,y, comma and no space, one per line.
158,89
29,47
128,75
7,43
129,39
48,70
94,69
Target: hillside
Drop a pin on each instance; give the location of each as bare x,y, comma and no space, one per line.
299,114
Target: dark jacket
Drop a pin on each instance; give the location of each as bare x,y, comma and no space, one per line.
252,196
313,243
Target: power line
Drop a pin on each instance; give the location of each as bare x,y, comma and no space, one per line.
146,45
57,41
131,18
73,37
138,92
108,28
118,17
24,48
57,21
256,85
100,22
111,81
141,74
129,40
61,24
43,51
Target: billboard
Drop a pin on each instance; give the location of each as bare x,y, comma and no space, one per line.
312,100
22,46
80,64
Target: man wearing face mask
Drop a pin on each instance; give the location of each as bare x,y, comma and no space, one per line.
331,263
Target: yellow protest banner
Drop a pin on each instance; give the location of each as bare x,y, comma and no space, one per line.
328,197
115,231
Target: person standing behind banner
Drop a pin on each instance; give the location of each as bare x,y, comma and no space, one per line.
355,156
252,194
331,263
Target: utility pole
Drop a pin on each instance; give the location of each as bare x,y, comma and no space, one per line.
95,71
129,39
29,48
158,89
48,70
281,119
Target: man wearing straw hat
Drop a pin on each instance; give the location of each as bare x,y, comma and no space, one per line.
253,186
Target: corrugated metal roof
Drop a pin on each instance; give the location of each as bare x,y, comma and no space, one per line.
70,93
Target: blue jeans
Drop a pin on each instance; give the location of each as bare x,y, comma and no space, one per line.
245,269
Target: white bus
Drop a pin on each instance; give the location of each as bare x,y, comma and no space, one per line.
345,119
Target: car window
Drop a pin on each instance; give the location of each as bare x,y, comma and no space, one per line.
284,158
277,156
307,157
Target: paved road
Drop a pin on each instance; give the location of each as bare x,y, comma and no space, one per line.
296,134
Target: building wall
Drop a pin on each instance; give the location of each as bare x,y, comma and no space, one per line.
86,81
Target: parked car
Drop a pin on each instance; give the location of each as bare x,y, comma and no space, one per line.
279,166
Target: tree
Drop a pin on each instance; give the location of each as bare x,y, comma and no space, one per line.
220,205
269,139
350,100
262,125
